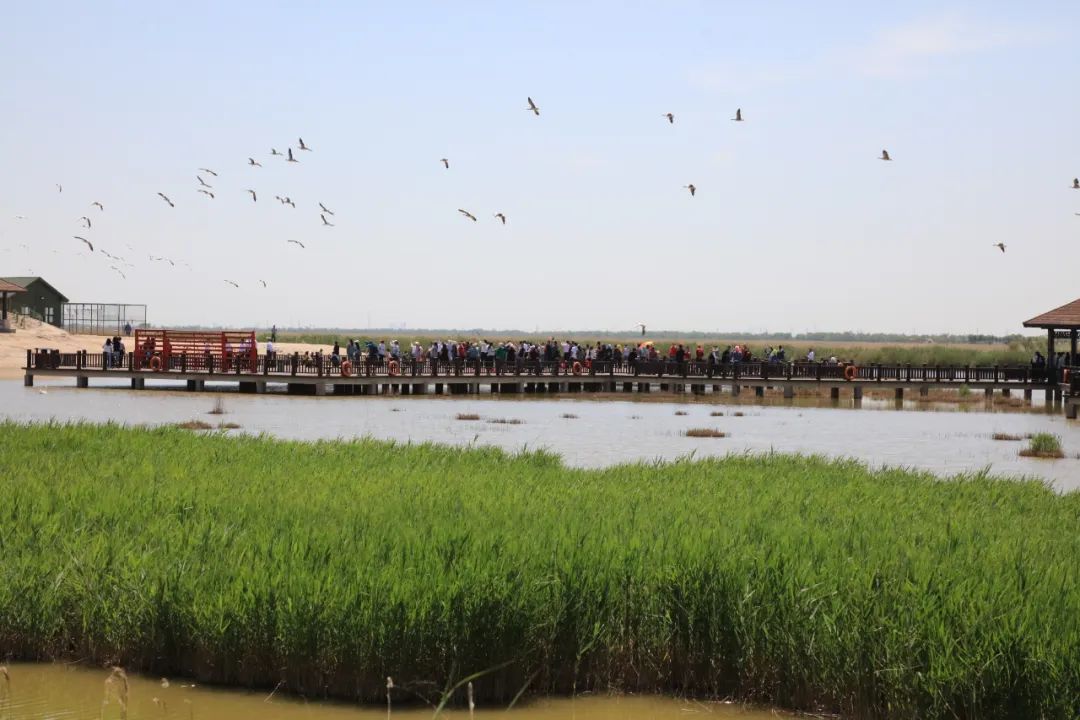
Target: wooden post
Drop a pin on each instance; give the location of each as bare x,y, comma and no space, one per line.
1049,353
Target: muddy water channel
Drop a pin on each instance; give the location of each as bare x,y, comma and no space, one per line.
601,432
58,691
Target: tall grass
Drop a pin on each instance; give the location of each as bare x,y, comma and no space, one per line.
330,566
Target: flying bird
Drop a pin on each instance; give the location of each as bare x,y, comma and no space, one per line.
1000,246
263,283
99,206
87,221
303,146
1076,183
691,188
326,222
208,171
501,217
291,158
88,243
884,155
467,214
445,162
113,267
296,242
166,199
251,161
253,197
232,283
642,326
288,201
20,217
325,209
59,187
207,192
670,118
273,151
738,115
533,107
203,182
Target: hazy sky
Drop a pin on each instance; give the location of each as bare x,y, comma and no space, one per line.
796,224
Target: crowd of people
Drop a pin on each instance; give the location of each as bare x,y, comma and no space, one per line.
566,351
1043,366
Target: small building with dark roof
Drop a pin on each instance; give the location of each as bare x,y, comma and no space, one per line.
38,299
6,289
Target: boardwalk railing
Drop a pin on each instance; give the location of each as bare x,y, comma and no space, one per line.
282,366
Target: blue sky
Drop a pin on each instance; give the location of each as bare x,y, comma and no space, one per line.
796,225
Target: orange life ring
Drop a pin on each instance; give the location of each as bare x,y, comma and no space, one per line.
346,368
155,363
392,367
850,372
576,368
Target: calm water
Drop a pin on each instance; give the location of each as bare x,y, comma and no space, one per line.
57,691
604,432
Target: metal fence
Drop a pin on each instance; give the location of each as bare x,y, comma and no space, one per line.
103,318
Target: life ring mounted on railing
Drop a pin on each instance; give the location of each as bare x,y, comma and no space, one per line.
392,367
851,372
576,368
346,368
155,363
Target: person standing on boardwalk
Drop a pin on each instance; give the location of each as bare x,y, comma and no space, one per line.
107,354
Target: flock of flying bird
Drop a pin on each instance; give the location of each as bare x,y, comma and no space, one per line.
207,189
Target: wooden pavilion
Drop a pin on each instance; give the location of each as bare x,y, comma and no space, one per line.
1060,323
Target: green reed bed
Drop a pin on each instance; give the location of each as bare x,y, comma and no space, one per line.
328,566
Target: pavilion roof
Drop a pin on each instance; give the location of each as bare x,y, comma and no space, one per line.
10,287
1066,316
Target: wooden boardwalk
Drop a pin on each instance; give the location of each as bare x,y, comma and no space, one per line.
318,376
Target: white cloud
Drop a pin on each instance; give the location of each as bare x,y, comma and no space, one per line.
911,47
